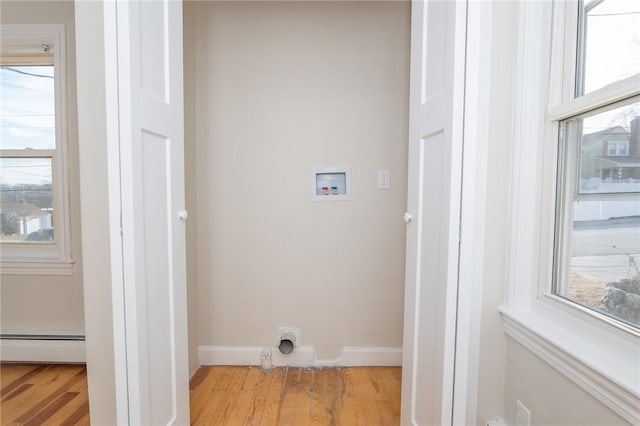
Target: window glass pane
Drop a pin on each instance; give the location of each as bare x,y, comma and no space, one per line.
27,107
605,256
610,42
610,151
26,208
598,225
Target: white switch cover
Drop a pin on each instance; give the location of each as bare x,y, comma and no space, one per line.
384,180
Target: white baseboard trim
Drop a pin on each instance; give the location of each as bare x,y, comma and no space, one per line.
303,356
229,355
356,356
42,350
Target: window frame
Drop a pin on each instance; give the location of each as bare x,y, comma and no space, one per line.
566,103
617,149
567,192
42,258
594,351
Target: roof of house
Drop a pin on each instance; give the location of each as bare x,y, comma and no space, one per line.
593,140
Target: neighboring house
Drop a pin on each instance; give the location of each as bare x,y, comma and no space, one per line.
612,154
609,163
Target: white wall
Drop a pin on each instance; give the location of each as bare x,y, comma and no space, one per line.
50,304
282,87
551,398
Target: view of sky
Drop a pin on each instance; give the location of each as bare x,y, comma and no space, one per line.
612,53
27,109
613,42
27,120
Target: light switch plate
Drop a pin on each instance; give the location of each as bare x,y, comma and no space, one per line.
384,179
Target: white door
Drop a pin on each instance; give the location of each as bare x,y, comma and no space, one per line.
435,164
152,188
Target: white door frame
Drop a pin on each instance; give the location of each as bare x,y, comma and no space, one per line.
437,98
463,369
106,359
472,212
100,130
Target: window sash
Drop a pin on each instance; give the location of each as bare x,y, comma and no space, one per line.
585,348
27,153
24,42
565,105
614,92
567,193
18,59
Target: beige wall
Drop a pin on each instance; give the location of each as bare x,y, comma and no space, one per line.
54,303
551,398
281,88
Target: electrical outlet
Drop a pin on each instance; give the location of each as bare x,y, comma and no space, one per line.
266,359
523,415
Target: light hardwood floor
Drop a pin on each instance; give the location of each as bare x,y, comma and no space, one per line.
296,396
44,394
47,394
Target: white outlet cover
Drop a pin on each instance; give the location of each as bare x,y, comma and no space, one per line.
523,415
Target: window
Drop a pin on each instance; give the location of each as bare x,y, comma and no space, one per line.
617,149
597,253
27,114
570,199
34,231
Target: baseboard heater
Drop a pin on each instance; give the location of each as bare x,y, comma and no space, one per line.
74,337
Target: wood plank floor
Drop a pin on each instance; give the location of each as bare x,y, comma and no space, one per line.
296,396
52,394
43,394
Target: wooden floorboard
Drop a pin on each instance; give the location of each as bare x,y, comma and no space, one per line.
274,397
45,394
296,396
52,394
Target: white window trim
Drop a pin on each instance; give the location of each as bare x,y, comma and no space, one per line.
56,258
600,358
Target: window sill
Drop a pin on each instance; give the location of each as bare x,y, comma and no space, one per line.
608,371
36,267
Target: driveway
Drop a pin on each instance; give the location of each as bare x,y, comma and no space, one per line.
594,254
